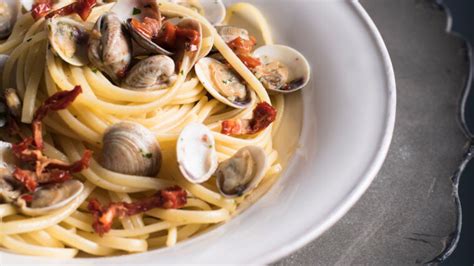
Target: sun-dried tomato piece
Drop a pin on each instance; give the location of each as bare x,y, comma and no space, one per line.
191,36
243,49
76,166
58,101
167,35
169,198
249,61
82,7
40,8
150,27
29,150
263,115
27,178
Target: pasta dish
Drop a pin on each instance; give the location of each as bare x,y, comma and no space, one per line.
133,125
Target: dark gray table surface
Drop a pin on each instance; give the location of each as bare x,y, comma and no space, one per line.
408,211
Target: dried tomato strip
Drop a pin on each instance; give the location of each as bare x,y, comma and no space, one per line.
263,115
150,27
29,150
58,101
40,8
243,49
170,35
82,7
169,198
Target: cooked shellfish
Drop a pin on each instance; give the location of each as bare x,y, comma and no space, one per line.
222,82
242,172
196,153
283,69
153,72
109,48
68,38
51,197
130,148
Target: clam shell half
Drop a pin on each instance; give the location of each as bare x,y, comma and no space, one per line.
52,197
68,38
223,83
196,153
242,172
299,70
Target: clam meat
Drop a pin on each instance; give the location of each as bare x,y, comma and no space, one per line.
282,69
242,172
68,39
109,48
222,82
196,153
156,71
51,197
130,148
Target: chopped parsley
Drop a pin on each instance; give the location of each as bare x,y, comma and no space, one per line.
136,11
94,70
29,40
181,72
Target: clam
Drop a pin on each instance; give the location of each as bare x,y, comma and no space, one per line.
213,10
155,71
189,50
9,12
147,11
51,197
13,102
222,82
242,172
230,33
130,148
109,48
10,188
68,38
283,69
196,153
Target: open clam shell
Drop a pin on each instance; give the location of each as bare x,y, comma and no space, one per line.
145,42
196,153
126,10
242,172
223,83
9,12
52,197
276,57
68,38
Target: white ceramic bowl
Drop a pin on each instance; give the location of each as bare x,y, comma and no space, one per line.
347,119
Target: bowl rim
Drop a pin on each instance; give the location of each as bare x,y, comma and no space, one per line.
372,170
